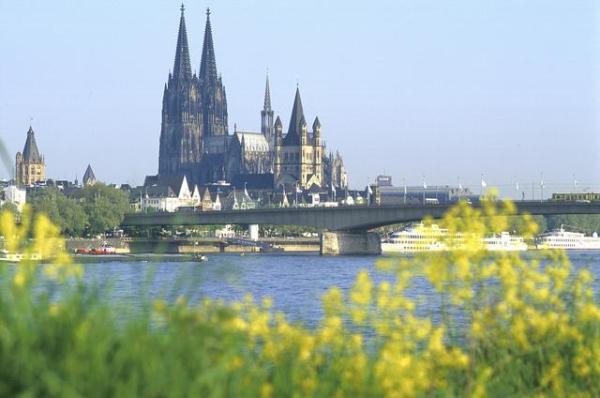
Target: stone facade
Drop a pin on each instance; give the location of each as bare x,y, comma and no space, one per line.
195,142
29,166
194,116
298,155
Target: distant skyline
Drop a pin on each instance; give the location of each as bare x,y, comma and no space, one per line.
441,91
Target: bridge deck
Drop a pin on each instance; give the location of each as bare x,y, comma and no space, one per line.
341,218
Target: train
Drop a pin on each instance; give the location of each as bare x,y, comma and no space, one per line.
576,197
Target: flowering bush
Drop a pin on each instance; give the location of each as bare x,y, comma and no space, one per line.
503,324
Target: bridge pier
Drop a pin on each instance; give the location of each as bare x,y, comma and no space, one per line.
338,243
253,231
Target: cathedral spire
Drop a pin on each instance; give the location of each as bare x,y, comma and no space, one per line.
182,70
267,105
208,64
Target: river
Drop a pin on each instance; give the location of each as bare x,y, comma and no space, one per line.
294,282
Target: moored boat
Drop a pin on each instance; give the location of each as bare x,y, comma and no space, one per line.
420,238
563,239
103,249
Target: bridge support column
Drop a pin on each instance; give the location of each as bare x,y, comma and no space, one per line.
350,243
253,231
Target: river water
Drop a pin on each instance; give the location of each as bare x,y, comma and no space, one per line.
294,282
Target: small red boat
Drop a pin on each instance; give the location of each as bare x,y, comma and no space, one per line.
97,251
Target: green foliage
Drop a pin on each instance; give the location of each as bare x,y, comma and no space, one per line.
500,325
105,207
65,212
587,223
10,207
95,210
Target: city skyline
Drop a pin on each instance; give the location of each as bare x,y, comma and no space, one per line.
509,118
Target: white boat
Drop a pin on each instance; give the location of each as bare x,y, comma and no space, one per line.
421,238
415,238
200,257
562,239
505,242
8,257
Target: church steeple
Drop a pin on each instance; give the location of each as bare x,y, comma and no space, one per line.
266,116
267,104
208,64
182,69
293,135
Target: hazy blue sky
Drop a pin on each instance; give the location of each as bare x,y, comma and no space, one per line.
442,89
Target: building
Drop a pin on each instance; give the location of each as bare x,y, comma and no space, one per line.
195,140
384,181
390,195
194,131
30,167
169,194
298,154
14,195
88,177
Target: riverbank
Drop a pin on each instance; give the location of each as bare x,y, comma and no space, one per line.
189,246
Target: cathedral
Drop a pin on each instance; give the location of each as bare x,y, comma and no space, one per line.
195,140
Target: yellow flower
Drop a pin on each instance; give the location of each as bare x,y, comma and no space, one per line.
19,278
361,291
266,391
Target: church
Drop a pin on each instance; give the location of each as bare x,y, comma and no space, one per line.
195,140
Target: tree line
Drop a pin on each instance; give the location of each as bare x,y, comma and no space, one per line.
90,211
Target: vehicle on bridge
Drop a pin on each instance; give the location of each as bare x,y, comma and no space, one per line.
576,197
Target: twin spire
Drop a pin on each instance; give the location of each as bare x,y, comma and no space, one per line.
208,65
182,69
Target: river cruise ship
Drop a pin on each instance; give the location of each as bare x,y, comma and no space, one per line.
8,257
563,239
421,238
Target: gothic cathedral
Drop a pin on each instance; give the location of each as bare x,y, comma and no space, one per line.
195,140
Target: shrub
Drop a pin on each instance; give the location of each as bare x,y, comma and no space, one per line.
507,325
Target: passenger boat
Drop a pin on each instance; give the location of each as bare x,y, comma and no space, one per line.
7,257
421,238
415,238
563,239
505,242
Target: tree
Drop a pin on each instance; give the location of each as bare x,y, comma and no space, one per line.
587,223
105,207
65,212
74,218
10,207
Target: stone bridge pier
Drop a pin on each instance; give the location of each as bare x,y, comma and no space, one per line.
339,243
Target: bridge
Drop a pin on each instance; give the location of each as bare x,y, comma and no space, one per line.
347,226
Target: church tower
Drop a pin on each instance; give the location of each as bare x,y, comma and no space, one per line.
214,100
30,166
266,117
182,122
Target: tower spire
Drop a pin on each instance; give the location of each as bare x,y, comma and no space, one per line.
267,105
208,64
182,70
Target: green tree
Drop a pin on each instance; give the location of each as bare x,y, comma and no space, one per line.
46,201
587,223
11,207
105,207
74,218
65,212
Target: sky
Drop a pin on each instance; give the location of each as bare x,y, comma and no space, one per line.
441,91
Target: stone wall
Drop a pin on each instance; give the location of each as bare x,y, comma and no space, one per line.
350,243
